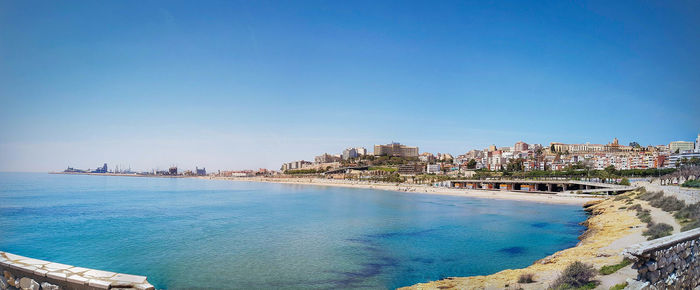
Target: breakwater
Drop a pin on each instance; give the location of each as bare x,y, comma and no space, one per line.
671,262
27,273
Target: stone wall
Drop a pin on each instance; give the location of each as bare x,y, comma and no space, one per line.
31,274
671,262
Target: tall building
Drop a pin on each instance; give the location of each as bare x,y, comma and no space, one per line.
520,146
102,169
200,171
395,149
295,165
326,158
697,144
681,146
350,153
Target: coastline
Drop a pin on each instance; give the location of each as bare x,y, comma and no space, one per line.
570,199
609,229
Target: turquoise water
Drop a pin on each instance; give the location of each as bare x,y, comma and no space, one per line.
191,233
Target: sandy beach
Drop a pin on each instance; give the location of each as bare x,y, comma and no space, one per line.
573,199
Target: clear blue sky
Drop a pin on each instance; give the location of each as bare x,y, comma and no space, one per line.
242,84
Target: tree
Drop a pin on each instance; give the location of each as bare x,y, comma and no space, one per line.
610,170
471,164
625,181
635,145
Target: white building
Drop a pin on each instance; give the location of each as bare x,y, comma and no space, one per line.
433,168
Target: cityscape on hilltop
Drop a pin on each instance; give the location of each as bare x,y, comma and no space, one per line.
522,156
395,159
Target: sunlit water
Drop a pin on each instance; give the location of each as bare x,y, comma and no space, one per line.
192,233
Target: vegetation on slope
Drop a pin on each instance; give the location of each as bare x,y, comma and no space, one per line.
609,269
576,276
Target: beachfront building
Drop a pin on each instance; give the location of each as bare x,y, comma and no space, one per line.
295,165
681,146
675,160
350,153
395,149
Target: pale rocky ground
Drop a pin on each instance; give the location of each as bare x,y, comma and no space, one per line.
689,195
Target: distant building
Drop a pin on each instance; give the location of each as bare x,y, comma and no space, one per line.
362,151
432,168
395,149
681,146
172,170
697,144
410,169
326,158
427,157
295,165
200,171
520,146
102,169
350,153
674,161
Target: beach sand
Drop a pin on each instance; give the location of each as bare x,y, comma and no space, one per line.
573,199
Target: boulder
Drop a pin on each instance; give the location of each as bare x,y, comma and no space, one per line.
28,284
49,286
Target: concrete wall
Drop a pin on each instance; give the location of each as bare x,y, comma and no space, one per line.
671,262
20,272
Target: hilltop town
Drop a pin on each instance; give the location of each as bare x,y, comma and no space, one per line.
396,162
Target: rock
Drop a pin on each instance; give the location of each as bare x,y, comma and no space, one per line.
49,286
8,276
3,283
28,284
651,266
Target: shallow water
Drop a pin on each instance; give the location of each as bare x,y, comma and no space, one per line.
193,233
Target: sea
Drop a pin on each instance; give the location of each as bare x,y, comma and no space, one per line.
186,233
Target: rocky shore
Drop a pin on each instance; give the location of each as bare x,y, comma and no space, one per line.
610,229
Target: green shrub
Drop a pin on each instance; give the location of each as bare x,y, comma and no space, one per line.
693,224
691,211
656,231
619,286
526,278
636,207
666,203
625,181
609,269
576,275
621,197
644,215
692,183
651,195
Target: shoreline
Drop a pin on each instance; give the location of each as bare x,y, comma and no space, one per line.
610,228
560,198
570,199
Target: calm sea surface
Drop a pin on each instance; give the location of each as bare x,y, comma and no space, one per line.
191,233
